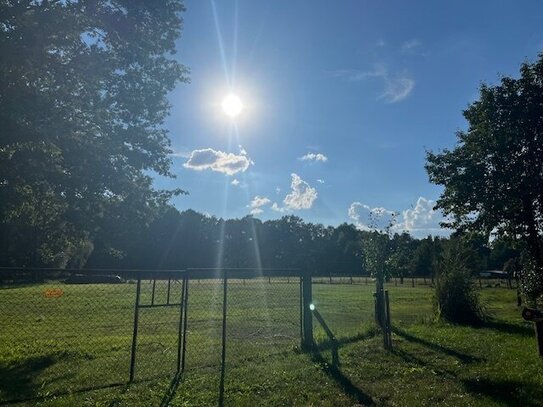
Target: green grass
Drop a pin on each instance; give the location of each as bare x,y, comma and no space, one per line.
82,341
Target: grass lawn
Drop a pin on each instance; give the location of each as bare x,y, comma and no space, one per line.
82,341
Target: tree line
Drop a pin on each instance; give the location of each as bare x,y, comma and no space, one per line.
188,239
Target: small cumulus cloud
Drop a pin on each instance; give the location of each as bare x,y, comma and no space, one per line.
420,221
219,161
235,182
301,196
314,157
320,181
367,218
424,219
278,208
257,203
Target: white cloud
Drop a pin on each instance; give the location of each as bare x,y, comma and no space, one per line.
277,190
227,163
314,157
320,181
397,87
423,219
301,195
257,203
420,221
235,182
278,208
367,218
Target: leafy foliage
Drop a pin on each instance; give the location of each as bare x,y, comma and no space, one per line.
493,178
82,101
456,298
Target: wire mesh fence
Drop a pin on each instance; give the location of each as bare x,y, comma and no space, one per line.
67,330
59,337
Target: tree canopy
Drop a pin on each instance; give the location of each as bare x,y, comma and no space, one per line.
493,177
83,89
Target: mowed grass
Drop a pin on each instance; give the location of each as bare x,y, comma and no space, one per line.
75,349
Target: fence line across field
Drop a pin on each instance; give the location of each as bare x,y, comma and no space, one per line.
112,326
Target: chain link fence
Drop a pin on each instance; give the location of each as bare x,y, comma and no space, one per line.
68,330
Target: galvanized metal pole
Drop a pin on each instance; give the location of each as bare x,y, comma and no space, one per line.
135,332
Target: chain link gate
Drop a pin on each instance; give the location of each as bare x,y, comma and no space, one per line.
159,328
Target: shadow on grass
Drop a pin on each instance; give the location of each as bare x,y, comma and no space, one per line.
509,328
409,358
19,381
170,392
333,369
511,393
329,344
465,358
347,385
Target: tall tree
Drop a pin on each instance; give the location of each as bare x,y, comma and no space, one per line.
83,89
493,178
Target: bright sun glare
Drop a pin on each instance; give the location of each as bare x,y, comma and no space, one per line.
231,105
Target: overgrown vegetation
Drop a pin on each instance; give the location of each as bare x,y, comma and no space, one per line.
456,296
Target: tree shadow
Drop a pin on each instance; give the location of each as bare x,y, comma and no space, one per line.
465,358
513,393
409,358
19,381
509,328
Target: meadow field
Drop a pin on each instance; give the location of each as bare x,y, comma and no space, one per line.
74,349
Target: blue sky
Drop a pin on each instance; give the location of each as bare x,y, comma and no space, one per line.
359,88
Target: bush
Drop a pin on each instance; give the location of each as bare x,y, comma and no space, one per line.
456,296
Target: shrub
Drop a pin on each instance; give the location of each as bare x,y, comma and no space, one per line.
456,296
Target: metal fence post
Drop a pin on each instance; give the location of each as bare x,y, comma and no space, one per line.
308,315
135,332
185,307
301,312
180,331
223,354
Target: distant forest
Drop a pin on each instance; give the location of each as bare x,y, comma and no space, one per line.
178,240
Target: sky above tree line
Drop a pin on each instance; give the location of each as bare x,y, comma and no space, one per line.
340,101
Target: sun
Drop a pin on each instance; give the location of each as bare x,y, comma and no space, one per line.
232,105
